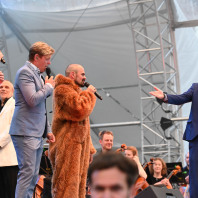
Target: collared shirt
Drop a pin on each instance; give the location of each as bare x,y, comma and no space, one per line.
39,72
1,106
33,66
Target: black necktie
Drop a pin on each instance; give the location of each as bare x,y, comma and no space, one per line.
43,79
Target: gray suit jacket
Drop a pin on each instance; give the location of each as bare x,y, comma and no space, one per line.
29,117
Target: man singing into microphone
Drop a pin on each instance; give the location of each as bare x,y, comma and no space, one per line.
29,123
73,149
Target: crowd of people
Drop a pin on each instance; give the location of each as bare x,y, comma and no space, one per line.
24,124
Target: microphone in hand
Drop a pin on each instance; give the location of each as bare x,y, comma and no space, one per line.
48,72
1,58
86,84
3,61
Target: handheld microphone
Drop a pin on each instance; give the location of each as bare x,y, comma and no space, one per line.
48,72
86,84
3,61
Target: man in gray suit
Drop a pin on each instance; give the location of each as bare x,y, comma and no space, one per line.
29,123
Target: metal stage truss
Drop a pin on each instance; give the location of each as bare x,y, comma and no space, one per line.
156,60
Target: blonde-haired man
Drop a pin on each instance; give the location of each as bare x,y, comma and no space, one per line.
29,124
106,140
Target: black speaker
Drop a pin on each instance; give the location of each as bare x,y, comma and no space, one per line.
159,192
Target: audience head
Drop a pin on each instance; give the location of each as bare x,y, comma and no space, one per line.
76,72
106,140
6,90
112,175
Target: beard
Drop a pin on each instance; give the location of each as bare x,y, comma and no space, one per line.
79,84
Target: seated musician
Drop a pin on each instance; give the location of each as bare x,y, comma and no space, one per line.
158,173
141,183
132,153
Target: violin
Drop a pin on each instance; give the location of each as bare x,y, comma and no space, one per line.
122,148
140,185
141,182
148,163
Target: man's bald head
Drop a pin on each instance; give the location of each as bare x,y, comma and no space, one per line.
76,72
6,90
72,68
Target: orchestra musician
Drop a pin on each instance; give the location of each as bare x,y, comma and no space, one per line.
141,183
132,153
158,173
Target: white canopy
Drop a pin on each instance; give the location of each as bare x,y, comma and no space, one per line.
96,34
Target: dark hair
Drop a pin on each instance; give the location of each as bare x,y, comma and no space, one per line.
101,134
110,160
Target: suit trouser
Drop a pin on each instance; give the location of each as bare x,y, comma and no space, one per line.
193,168
8,180
29,152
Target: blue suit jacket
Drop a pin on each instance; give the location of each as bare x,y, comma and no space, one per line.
191,95
29,117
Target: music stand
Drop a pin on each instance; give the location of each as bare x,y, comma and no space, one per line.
179,178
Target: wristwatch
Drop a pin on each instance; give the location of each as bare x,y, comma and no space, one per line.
165,99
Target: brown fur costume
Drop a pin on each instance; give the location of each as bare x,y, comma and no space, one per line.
70,153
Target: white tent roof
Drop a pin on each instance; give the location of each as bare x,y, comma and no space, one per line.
96,34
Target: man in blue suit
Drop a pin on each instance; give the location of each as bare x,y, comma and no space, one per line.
29,123
191,132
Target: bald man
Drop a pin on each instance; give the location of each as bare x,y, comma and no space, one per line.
8,159
73,148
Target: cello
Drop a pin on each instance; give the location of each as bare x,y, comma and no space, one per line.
141,182
173,172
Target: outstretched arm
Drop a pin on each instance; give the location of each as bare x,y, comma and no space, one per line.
158,93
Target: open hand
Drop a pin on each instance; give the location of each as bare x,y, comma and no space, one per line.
158,93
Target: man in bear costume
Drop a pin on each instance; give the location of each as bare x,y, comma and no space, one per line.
73,149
